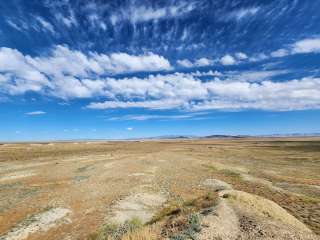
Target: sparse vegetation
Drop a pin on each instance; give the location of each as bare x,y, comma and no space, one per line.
192,227
181,219
111,231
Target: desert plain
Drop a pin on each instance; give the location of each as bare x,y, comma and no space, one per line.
246,188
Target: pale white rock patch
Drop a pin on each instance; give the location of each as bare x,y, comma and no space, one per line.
41,222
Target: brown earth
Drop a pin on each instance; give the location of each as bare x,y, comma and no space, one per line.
69,190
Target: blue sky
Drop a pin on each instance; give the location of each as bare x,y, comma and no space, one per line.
120,69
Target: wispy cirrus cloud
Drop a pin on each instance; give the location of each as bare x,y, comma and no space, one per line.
68,20
136,14
35,113
146,117
36,23
240,14
47,26
148,104
11,23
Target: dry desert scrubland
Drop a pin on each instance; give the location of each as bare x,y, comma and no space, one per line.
250,188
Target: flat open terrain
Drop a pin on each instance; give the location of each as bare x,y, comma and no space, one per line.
73,190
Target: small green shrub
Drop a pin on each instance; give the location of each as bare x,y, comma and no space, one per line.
195,223
193,227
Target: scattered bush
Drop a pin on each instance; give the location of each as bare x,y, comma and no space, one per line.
116,232
193,227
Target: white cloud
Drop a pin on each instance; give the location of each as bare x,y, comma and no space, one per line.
232,93
17,74
241,56
76,63
227,60
185,63
280,53
129,128
68,73
258,57
254,76
306,46
35,113
152,104
309,45
267,95
202,62
127,63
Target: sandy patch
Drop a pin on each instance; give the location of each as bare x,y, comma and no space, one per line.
140,205
153,169
109,164
138,174
236,169
17,175
223,223
38,223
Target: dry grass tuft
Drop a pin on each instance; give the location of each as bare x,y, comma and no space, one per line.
147,233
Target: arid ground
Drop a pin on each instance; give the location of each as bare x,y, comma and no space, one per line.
249,188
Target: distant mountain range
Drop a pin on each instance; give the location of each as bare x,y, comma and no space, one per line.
222,136
172,137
